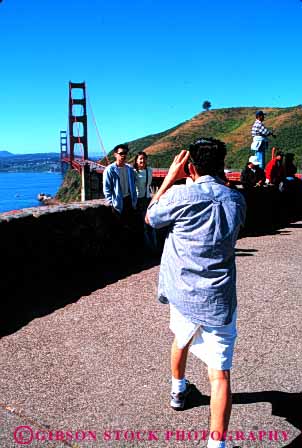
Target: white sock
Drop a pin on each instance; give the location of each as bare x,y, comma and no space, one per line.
216,443
178,385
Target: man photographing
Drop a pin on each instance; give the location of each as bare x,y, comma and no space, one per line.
197,272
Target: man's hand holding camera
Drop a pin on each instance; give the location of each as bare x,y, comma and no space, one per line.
176,172
177,168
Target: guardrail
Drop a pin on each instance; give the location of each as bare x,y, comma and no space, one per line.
233,176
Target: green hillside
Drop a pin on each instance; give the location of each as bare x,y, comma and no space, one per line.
141,143
233,126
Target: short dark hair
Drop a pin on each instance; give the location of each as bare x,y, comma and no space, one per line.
207,155
260,113
123,146
140,153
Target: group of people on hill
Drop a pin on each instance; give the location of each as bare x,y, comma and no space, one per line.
280,171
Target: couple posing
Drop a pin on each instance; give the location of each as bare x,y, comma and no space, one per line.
127,190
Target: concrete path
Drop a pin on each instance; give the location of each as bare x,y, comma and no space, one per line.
98,369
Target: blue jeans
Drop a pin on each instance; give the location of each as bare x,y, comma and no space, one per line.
261,158
260,146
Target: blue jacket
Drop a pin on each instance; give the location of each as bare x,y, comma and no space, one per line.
112,186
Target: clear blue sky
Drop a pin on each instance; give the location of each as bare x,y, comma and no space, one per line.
148,64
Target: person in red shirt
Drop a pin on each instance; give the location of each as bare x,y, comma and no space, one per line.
274,170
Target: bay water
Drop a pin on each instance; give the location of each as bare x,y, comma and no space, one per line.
20,190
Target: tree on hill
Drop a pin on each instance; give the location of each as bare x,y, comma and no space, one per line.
206,105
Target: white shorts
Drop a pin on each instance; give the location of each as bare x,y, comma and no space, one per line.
213,345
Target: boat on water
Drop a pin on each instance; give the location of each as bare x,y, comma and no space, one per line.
42,197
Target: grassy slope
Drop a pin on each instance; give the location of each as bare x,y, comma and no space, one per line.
233,126
140,144
70,190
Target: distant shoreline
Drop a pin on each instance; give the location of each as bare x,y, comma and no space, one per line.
40,163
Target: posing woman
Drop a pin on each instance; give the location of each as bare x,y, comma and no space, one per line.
143,179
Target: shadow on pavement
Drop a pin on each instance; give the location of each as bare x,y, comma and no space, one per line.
245,252
269,210
31,290
284,404
37,297
295,225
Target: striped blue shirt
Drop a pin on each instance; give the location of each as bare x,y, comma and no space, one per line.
197,272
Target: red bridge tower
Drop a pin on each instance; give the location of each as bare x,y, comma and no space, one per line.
78,120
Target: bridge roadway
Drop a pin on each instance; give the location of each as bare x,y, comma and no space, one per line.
102,363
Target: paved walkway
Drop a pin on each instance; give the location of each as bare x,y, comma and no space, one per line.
101,364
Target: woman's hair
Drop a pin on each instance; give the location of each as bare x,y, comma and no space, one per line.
141,153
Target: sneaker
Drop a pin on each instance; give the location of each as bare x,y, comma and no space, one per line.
178,400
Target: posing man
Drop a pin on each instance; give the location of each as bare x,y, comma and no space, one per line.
260,140
197,272
119,183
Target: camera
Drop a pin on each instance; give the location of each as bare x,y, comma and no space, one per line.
186,167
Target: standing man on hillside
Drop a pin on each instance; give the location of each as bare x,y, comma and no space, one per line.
260,140
119,183
197,272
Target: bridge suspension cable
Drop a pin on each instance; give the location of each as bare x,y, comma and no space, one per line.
97,130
